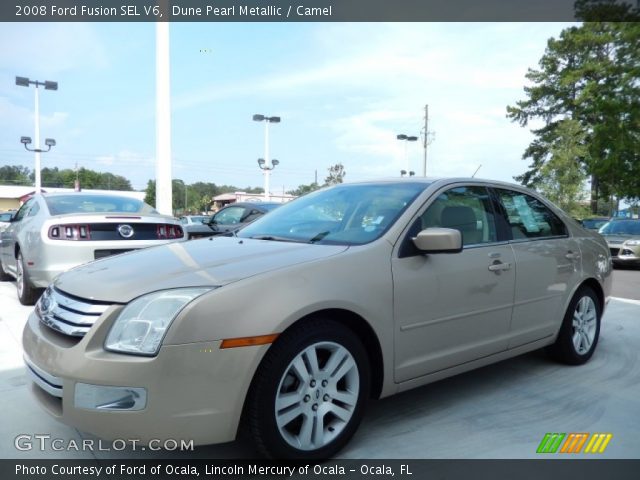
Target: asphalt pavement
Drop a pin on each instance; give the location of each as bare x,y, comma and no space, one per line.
497,412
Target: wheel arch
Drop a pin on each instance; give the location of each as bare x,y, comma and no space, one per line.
596,287
363,331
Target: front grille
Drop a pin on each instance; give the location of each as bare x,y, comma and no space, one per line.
614,252
66,314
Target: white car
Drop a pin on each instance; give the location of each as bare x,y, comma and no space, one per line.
52,233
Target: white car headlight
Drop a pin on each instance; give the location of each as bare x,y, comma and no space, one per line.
632,243
141,326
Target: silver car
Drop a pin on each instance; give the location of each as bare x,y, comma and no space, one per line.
348,293
52,233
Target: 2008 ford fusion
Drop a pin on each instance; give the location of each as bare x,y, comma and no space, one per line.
349,293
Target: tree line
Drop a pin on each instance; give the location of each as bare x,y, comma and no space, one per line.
65,178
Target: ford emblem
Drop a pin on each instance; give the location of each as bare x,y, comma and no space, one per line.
125,231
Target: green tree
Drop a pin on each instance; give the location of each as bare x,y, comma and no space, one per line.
588,75
15,175
150,193
304,189
336,174
563,175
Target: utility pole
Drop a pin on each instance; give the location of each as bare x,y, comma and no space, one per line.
426,140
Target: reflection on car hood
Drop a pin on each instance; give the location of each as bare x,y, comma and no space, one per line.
216,261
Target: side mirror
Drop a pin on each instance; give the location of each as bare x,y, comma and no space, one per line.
438,240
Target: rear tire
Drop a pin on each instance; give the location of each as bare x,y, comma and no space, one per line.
578,336
308,395
27,294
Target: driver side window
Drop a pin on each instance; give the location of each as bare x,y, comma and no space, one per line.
467,209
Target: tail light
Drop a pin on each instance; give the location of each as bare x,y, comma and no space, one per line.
70,232
169,231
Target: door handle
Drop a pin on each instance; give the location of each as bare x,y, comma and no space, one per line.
499,266
572,256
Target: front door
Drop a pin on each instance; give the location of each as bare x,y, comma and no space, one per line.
453,308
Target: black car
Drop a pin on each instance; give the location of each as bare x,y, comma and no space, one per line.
230,218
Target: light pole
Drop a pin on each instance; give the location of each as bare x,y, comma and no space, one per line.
25,82
407,138
264,163
267,171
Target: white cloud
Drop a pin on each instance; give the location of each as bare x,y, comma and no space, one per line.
50,48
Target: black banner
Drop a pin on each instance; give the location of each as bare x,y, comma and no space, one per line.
300,10
339,469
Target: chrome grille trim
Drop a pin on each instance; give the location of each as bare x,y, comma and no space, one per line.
66,315
49,383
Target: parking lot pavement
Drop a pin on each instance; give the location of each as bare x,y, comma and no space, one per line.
499,411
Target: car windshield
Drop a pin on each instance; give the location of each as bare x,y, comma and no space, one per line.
342,215
621,227
82,203
594,223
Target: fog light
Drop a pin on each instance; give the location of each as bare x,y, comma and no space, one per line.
104,397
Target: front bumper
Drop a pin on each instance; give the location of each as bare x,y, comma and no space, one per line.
623,255
195,392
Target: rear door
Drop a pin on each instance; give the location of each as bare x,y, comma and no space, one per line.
548,266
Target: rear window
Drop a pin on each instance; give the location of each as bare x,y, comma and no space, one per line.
80,203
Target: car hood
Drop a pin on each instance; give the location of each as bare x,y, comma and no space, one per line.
214,261
615,239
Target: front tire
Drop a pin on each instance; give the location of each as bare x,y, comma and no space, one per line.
308,395
27,294
578,336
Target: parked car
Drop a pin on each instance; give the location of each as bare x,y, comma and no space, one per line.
594,223
623,237
52,233
193,219
5,219
353,292
230,219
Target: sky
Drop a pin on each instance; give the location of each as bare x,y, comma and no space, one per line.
343,91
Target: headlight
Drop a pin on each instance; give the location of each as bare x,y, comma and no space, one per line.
632,243
141,326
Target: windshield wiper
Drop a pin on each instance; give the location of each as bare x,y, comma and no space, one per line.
273,238
319,236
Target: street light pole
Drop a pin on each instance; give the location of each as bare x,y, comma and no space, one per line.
407,138
48,85
37,145
265,164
